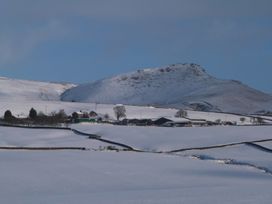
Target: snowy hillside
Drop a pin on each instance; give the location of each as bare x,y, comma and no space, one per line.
22,90
177,85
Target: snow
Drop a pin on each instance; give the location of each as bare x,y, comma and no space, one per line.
176,86
21,109
169,86
23,137
108,177
98,175
94,176
167,139
267,145
24,90
241,154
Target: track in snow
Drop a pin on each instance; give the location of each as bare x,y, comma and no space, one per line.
233,162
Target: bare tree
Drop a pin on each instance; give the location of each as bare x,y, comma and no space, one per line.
218,121
119,111
181,114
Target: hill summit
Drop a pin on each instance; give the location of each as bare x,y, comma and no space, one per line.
173,86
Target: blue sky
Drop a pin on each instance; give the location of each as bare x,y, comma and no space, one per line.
84,40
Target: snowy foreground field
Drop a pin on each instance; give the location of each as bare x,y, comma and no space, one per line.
240,173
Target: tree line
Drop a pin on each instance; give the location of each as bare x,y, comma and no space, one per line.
35,117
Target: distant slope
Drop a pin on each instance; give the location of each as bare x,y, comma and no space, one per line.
23,90
178,85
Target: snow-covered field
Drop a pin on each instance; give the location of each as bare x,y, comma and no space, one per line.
167,139
21,109
23,137
93,176
268,145
109,177
117,178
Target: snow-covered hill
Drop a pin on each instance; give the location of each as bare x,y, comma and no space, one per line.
23,90
177,85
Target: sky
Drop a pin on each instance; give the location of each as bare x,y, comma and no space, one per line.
81,41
